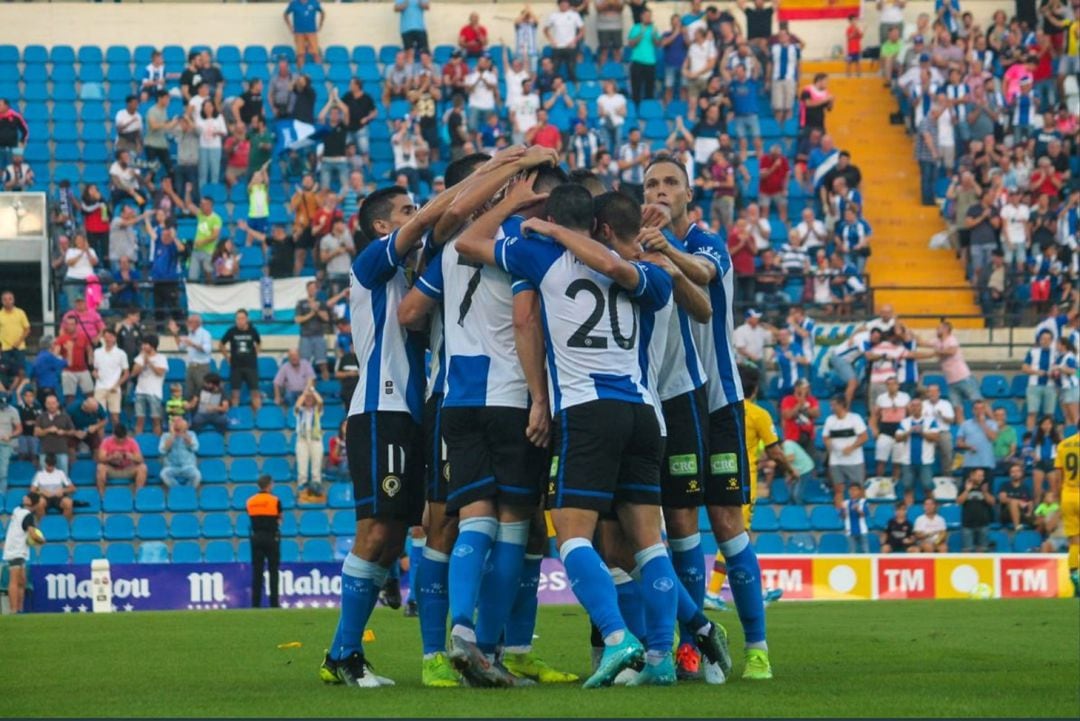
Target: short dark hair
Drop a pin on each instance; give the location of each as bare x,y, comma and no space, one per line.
193,54
264,481
587,178
570,206
667,159
463,167
50,459
120,431
151,340
377,206
212,378
840,401
33,496
751,378
618,211
549,177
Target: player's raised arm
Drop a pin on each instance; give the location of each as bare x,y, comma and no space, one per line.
689,295
477,242
590,252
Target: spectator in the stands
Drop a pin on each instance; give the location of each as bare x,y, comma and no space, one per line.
18,175
750,339
75,349
313,317
123,235
281,88
208,405
240,348
785,55
14,132
110,373
564,29
149,368
80,261
1041,395
307,18
1017,506
976,438
473,37
226,262
212,131
53,488
1006,445
165,274
976,506
791,362
308,408
87,320
187,152
644,42
88,419
412,26
29,409
10,431
197,346
962,384
119,456
916,438
744,91
1045,443
1065,373
336,251
799,412
292,378
609,31
237,150
812,232
674,45
48,366
54,427
208,225
124,288
178,449
856,521
125,182
899,536
844,434
773,184
927,154
14,330
931,531
128,124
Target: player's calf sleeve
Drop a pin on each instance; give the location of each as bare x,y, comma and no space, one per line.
432,574
744,575
631,606
505,562
360,584
416,553
688,558
719,575
474,541
522,622
592,585
659,596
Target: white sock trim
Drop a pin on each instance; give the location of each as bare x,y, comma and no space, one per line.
734,546
572,544
647,554
515,532
620,576
432,555
688,543
480,524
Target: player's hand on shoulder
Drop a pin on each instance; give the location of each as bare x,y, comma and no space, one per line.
659,260
521,194
652,238
538,225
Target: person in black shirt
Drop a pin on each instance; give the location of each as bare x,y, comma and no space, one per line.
240,346
361,112
976,502
250,102
29,410
212,76
758,20
459,131
1017,507
899,534
302,103
129,334
334,165
191,78
264,509
347,373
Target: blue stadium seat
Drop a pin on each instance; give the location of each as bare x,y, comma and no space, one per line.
951,513
613,71
340,495
153,552
274,443
825,518
86,528
331,418
881,515
778,492
268,367
243,526
343,524
317,550
117,500
290,551
270,418
119,75
175,374
118,55
55,529
287,496
186,552
793,518
1013,413
242,444
213,471
64,55
769,543
220,552
9,55
83,472
241,418
52,555
152,527
213,498
243,470
88,55
148,445
35,55
1018,385
833,543
211,444
278,469
217,525
20,474
801,543
90,497
86,552
228,55
119,528
288,525
150,499
314,523
243,551
240,496
999,541
184,526
764,519
1027,541
183,498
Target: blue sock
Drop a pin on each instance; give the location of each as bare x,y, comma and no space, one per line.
744,575
416,553
592,585
689,613
506,560
522,621
475,538
432,576
360,584
630,603
658,595
689,560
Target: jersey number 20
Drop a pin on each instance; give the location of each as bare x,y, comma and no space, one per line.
581,338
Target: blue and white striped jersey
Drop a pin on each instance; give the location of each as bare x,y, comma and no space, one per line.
654,342
915,450
391,359
681,371
808,345
789,370
482,367
1040,359
713,339
1066,380
785,61
591,324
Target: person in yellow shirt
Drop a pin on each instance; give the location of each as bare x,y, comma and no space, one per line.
1067,464
14,330
760,435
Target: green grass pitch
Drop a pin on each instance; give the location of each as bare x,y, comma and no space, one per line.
908,658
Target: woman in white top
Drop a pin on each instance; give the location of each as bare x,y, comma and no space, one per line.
80,260
211,127
612,109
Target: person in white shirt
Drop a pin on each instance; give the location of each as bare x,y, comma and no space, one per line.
523,108
150,368
751,338
845,434
889,409
611,106
129,126
110,373
17,550
564,30
698,67
812,232
515,73
53,489
1017,236
482,85
942,412
930,529
760,228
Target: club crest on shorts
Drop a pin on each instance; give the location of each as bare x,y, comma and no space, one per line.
391,485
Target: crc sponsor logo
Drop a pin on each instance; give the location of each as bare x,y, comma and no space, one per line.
64,586
723,464
683,465
554,467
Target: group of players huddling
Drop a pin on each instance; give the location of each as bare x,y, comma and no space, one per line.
581,359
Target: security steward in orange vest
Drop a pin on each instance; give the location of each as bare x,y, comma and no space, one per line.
264,508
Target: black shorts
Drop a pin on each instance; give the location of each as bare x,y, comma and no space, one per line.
609,39
305,240
54,502
607,452
686,455
386,464
244,375
729,470
490,457
16,562
436,469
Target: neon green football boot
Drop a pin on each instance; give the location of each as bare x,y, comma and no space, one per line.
758,667
530,665
437,672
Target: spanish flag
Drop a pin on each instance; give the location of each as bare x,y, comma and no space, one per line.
818,9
